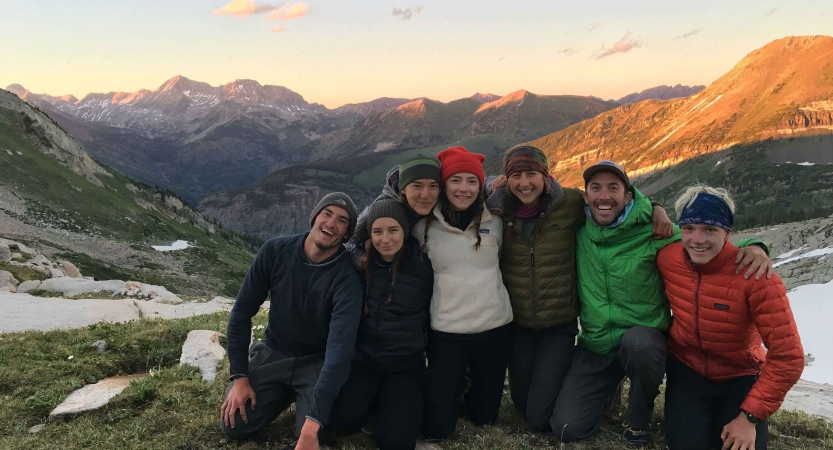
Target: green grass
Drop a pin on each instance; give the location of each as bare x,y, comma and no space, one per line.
175,409
23,273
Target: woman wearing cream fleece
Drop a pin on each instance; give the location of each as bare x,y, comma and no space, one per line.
470,306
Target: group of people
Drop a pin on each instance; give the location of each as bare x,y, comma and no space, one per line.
571,292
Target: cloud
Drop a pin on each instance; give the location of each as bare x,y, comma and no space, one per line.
289,11
624,45
243,8
770,12
568,51
407,13
277,30
595,25
689,34
281,11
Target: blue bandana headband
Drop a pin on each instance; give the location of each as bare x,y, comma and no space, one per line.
708,209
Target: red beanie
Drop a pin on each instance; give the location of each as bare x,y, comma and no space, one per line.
459,160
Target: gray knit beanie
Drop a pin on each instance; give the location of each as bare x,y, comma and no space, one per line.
341,200
388,208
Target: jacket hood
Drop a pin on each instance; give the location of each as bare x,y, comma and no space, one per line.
639,215
391,188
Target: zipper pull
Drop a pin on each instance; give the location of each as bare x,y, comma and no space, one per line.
532,254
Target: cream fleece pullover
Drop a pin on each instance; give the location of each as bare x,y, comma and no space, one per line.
469,295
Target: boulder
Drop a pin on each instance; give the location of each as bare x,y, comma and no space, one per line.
41,261
92,396
69,269
78,286
16,256
7,276
812,398
27,286
56,273
5,253
202,349
16,246
6,286
100,346
36,429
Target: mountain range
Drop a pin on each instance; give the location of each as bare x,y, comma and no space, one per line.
195,139
764,130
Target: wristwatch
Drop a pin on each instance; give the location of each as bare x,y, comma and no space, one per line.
752,419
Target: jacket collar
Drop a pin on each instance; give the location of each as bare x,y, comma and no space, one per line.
332,260
438,215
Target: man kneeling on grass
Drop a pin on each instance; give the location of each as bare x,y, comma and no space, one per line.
316,303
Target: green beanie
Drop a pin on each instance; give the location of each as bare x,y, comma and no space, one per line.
418,168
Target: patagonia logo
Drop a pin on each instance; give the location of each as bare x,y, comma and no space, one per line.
484,231
721,306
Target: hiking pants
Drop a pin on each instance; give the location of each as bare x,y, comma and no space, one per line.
486,355
697,409
537,368
399,396
592,378
278,380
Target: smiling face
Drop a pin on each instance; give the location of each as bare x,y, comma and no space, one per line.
527,186
607,197
422,195
387,237
703,242
330,227
462,189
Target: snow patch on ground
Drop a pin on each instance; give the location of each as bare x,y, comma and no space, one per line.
806,164
791,252
817,252
812,308
178,245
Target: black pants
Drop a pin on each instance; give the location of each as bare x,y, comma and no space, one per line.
539,363
697,409
399,414
592,378
277,380
486,355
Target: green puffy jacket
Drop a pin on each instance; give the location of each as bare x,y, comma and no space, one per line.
619,284
540,273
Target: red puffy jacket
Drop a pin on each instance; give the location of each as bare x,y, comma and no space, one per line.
719,319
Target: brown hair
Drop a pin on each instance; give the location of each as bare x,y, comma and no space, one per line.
454,217
394,269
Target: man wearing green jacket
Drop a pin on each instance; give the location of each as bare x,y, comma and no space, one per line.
624,312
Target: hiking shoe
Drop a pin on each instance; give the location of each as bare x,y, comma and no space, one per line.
636,438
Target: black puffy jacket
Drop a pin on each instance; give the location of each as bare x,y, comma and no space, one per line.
392,335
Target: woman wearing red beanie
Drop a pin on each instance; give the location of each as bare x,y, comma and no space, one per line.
470,308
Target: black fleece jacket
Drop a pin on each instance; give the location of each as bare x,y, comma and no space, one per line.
392,335
315,308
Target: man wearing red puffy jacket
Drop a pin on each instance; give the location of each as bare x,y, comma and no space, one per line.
722,384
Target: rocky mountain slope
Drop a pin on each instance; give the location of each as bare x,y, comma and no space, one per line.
356,159
661,93
763,130
56,199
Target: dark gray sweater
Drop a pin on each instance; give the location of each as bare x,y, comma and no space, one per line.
315,308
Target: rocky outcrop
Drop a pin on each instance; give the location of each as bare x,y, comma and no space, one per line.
202,349
92,396
52,139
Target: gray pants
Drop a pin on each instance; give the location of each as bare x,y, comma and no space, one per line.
592,378
278,380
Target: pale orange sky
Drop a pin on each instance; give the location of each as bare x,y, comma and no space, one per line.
336,52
